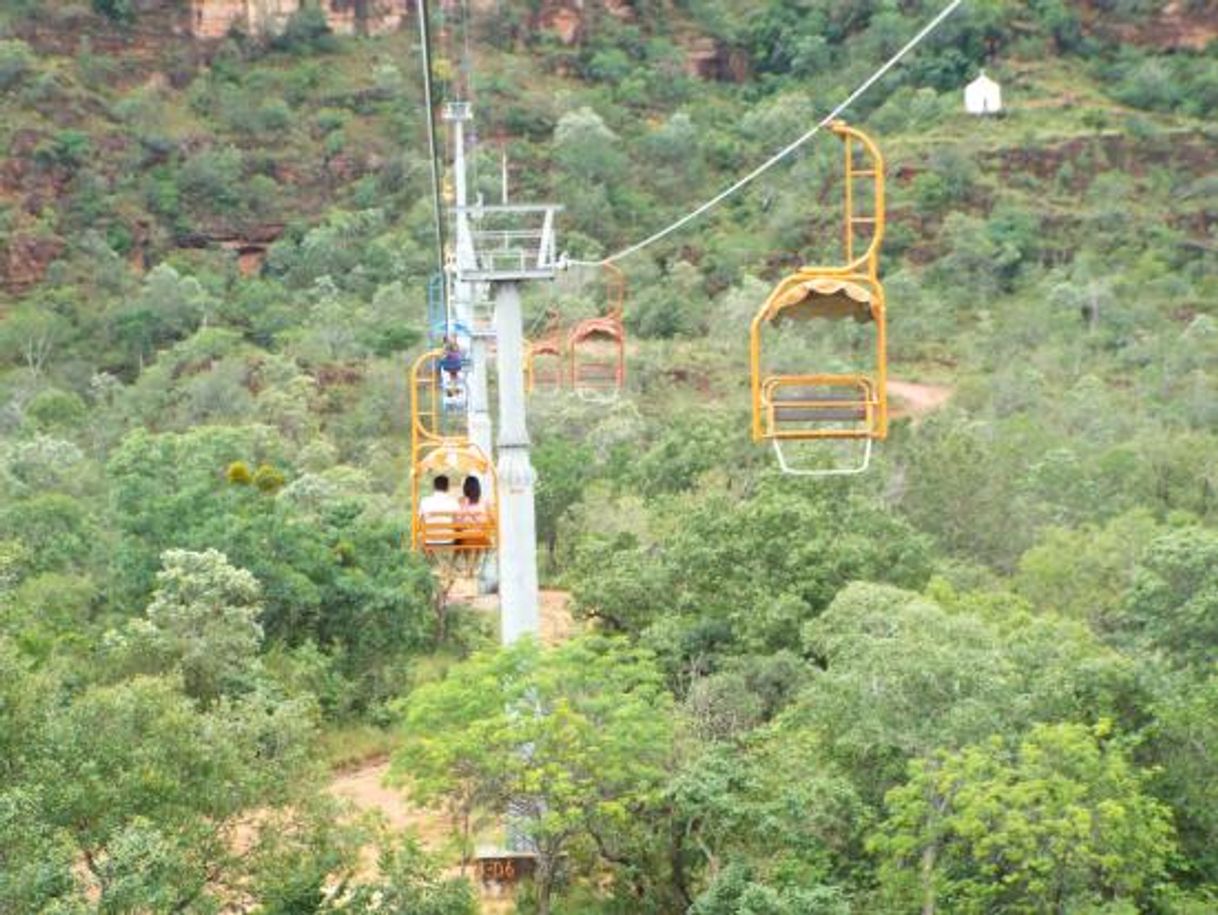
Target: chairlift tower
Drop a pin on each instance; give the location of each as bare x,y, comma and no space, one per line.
512,244
465,294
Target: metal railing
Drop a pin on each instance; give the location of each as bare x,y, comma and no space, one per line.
512,241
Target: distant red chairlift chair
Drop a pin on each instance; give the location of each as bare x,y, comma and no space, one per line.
544,370
596,347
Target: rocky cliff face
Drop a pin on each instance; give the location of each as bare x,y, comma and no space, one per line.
213,19
1177,25
26,258
705,57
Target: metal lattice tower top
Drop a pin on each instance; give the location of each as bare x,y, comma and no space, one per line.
512,242
457,111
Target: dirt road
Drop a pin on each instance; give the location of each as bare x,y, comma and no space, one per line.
917,399
363,786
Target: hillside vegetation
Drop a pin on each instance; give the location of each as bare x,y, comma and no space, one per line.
979,678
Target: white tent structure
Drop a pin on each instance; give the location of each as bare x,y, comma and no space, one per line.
983,96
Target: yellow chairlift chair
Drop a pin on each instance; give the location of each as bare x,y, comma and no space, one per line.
461,533
439,444
811,405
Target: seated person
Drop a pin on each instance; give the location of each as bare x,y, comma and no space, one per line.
441,507
474,512
451,364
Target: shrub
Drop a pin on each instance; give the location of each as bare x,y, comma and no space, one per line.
274,116
68,148
238,474
16,60
1150,84
306,31
55,409
329,120
211,180
268,479
262,196
121,11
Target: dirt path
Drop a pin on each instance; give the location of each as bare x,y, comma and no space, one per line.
557,623
918,399
364,788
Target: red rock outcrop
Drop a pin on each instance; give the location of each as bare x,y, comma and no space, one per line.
26,258
213,19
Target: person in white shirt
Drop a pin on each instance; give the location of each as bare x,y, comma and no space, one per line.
440,506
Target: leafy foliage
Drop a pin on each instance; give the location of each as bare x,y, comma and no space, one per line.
570,743
214,267
1060,822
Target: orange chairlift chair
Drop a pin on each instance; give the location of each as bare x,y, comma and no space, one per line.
543,364
596,347
438,445
818,406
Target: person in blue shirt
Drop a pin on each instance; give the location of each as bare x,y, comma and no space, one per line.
451,364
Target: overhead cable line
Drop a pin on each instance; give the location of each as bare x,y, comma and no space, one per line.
437,203
467,71
785,151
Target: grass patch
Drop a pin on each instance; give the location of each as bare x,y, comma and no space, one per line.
348,745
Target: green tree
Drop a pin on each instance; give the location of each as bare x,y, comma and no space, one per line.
714,558
736,891
306,31
1173,602
1085,573
901,675
35,859
674,150
331,571
203,619
1182,736
561,477
58,531
1055,823
410,882
960,487
586,148
168,308
210,181
574,739
130,795
30,335
767,817
591,162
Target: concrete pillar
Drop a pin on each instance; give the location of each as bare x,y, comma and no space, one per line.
518,599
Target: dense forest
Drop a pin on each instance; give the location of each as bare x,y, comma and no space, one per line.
979,678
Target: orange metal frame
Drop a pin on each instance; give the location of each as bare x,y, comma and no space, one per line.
549,344
601,375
